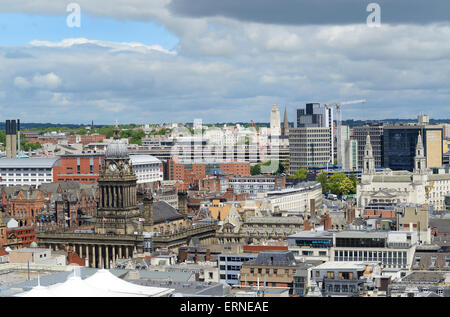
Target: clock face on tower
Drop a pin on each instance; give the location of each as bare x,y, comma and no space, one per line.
112,167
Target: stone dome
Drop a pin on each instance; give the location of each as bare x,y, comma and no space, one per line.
116,149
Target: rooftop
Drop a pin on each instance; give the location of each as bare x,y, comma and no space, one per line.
275,258
312,234
342,266
143,159
38,162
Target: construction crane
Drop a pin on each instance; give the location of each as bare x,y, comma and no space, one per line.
338,107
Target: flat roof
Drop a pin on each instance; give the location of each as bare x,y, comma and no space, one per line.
143,159
341,265
38,162
312,234
361,234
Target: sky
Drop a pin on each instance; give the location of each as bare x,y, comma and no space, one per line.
158,61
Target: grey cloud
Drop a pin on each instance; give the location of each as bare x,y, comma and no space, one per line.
17,54
325,12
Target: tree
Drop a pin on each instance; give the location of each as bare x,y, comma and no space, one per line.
354,180
323,180
301,173
334,183
255,170
346,186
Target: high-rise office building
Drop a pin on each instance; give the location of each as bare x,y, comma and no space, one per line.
311,116
375,132
400,143
308,147
316,115
349,149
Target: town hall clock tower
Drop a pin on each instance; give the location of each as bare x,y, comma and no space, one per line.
118,212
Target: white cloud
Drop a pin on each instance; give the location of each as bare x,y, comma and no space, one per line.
59,99
113,46
21,82
49,81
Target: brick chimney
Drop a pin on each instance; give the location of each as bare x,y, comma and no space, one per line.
182,255
326,221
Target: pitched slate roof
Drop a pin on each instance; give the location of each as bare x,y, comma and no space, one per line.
274,258
163,212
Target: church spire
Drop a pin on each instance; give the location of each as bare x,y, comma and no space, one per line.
285,123
116,131
369,160
420,163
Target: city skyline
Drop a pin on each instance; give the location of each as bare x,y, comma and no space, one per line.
139,62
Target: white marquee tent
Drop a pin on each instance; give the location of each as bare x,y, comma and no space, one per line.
102,284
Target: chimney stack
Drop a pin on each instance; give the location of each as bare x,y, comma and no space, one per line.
11,138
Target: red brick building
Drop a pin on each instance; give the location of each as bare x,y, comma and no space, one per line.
25,235
235,168
192,173
23,205
51,205
86,138
83,168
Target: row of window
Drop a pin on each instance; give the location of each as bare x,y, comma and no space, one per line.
33,180
268,271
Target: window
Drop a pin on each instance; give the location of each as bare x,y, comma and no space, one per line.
330,275
417,260
433,260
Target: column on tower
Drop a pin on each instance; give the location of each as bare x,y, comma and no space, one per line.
113,247
94,260
115,196
107,257
100,257
110,196
121,196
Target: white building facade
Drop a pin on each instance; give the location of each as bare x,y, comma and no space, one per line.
27,171
296,200
147,168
